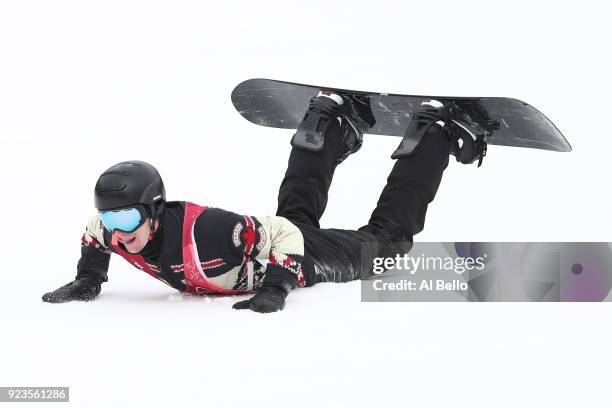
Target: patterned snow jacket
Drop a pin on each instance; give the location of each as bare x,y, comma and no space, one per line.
208,250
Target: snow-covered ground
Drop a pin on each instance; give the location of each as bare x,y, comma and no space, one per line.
86,84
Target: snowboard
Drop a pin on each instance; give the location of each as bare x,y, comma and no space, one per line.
505,121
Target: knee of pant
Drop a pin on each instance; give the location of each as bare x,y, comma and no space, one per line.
388,233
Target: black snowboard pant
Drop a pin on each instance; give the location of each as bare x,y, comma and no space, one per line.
343,255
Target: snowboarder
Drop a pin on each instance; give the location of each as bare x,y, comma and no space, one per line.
202,250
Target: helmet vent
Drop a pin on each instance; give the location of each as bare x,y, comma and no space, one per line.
119,172
111,188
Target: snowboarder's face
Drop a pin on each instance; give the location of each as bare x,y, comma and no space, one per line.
136,240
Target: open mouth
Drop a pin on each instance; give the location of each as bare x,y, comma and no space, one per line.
129,241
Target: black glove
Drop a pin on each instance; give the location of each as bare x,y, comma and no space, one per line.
85,288
268,299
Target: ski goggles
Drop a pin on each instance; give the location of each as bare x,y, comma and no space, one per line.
125,219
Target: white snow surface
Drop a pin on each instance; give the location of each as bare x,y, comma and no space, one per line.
84,85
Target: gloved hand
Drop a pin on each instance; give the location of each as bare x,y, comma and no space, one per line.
268,299
85,288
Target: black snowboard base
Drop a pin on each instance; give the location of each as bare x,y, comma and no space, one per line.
506,121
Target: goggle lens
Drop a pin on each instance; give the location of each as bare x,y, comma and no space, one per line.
126,220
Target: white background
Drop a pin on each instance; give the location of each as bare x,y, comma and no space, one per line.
86,84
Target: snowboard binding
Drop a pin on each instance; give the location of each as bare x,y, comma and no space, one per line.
467,135
354,113
468,131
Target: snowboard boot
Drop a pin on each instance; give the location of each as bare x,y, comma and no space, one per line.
468,137
430,113
351,111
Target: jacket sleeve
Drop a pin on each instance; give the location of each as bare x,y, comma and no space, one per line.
95,254
285,252
235,239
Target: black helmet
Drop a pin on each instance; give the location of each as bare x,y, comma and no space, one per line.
129,183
